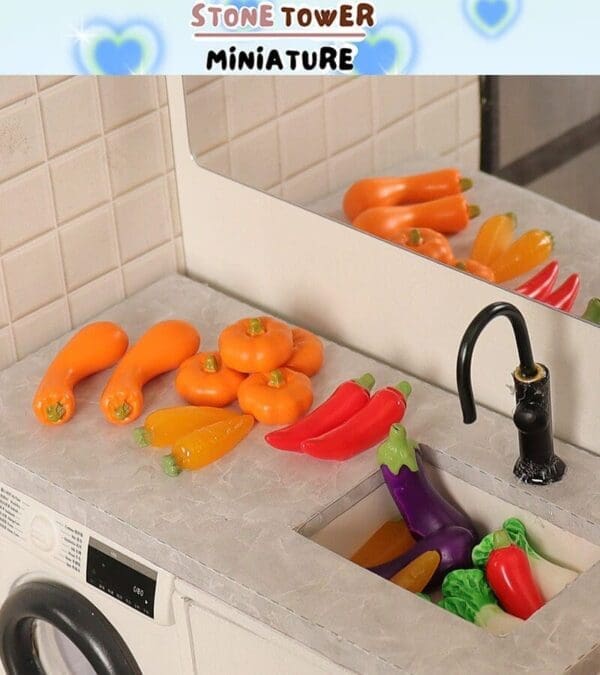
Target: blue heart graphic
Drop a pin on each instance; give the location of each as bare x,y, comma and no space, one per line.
492,12
375,59
118,58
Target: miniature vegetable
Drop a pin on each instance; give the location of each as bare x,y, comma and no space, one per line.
278,397
203,446
348,398
164,427
592,311
422,507
256,345
453,543
468,595
509,574
307,355
364,429
391,540
397,190
550,577
93,348
162,348
541,284
494,238
417,574
530,250
565,295
203,379
426,242
476,269
448,215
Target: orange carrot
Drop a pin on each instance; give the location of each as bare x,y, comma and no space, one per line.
95,347
307,356
162,348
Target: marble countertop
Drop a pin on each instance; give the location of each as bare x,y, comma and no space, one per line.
230,529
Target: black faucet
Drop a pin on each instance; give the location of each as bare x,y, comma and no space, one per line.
533,415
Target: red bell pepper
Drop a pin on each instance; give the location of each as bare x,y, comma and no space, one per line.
509,574
345,402
565,295
366,428
541,284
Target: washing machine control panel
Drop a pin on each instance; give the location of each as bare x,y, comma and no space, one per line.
118,575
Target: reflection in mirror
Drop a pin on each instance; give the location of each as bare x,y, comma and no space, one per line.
313,140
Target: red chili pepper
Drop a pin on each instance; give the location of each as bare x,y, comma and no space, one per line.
565,295
509,574
541,284
345,401
367,427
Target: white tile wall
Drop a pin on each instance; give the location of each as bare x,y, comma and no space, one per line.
88,201
304,137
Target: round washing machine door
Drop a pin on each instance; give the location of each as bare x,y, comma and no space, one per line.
77,633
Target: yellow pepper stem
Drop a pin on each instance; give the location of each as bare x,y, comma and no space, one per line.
210,364
169,465
473,210
415,238
141,437
123,411
465,184
276,379
55,413
255,327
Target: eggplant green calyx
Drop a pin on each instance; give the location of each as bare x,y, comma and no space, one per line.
466,593
397,451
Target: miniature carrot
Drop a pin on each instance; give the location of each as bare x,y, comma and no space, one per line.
203,379
475,268
164,427
278,397
494,238
399,190
448,215
542,283
162,348
565,295
256,345
426,242
388,542
307,355
592,311
204,446
418,573
93,348
530,250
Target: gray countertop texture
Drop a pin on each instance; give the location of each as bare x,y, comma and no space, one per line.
230,529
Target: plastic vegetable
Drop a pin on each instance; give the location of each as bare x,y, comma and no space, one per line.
397,190
364,429
348,398
256,345
453,544
95,347
426,242
476,269
550,577
417,574
494,238
542,283
468,595
162,348
422,507
391,540
164,427
307,356
448,215
592,311
204,380
278,397
509,574
530,250
203,446
565,295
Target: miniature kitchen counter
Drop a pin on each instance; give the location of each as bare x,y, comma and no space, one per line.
230,529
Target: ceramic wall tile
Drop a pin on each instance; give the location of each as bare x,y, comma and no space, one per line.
95,296
398,140
244,167
349,114
7,354
431,87
436,126
14,88
148,268
469,118
21,137
207,117
42,326
302,138
292,91
124,99
250,102
393,99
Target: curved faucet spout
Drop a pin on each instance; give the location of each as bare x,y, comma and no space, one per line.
528,367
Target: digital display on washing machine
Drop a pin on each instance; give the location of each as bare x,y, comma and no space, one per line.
122,578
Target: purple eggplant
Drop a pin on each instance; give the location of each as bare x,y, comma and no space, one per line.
422,507
453,543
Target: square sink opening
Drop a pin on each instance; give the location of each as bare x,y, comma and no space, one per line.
345,533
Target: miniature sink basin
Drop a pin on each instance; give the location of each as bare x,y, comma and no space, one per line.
344,533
